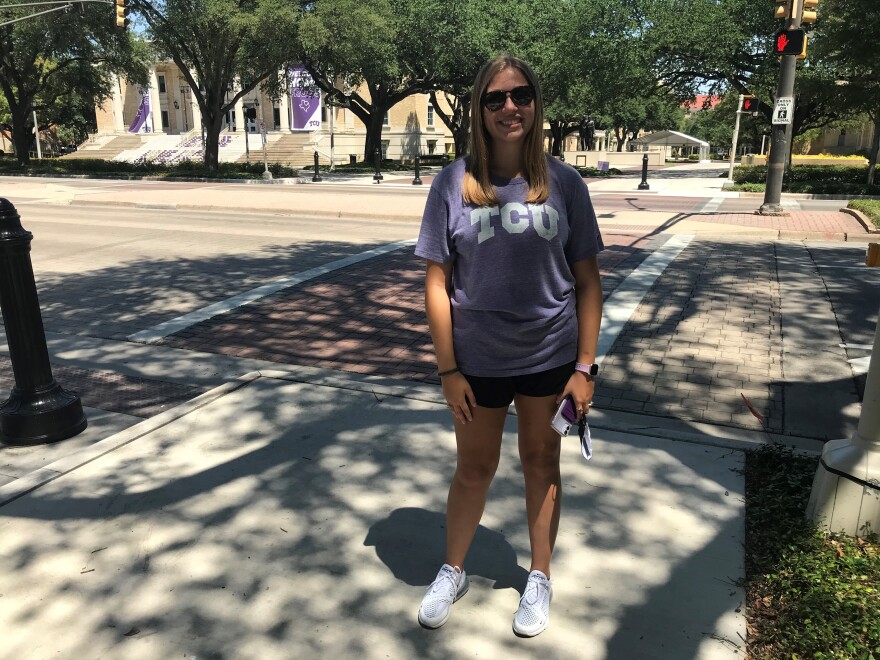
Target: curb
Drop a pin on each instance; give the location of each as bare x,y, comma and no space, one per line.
786,195
47,473
865,221
131,177
339,215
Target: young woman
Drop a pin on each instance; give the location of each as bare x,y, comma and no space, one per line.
514,302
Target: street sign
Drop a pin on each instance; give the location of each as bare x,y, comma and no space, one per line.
783,110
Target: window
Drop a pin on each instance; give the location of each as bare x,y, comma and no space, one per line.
161,80
432,146
430,114
164,119
386,121
276,117
385,144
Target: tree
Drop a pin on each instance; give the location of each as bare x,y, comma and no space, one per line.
719,45
44,59
224,49
473,33
841,45
377,44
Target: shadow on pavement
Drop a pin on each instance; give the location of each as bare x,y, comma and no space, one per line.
290,520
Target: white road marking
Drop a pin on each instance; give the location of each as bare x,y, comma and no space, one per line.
711,206
623,302
158,332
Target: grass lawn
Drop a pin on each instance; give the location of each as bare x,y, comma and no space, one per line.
870,207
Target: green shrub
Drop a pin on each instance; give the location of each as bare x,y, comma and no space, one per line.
594,172
808,594
870,207
817,179
184,169
694,157
749,187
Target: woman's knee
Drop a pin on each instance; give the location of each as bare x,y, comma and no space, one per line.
476,474
540,461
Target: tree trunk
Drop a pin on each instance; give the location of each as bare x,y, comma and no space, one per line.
556,134
620,133
213,124
875,148
459,122
21,136
460,134
373,140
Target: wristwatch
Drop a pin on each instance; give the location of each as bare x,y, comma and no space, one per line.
587,368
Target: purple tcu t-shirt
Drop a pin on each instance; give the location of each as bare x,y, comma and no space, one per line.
513,301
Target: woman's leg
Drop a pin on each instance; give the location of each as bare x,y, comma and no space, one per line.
539,455
479,447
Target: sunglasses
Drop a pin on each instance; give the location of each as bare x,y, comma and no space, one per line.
521,96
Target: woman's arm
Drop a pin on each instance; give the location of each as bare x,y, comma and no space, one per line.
588,293
438,285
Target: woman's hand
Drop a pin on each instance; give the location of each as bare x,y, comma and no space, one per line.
459,396
581,387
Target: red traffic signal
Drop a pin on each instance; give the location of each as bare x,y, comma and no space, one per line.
789,42
749,104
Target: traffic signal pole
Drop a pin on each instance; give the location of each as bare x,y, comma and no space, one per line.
780,134
780,139
739,106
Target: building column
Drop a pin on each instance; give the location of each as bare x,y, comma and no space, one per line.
118,121
155,103
196,111
239,111
284,108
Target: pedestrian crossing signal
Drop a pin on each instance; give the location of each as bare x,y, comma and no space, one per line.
122,11
790,42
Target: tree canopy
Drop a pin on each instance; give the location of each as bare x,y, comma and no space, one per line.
53,62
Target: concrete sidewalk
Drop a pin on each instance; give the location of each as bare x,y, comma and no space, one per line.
280,516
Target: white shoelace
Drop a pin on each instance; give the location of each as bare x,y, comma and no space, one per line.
451,578
535,592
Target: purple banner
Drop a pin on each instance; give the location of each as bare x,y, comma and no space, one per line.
139,125
305,102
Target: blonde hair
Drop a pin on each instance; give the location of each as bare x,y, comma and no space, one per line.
477,188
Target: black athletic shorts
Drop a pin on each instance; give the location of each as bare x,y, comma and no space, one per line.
491,392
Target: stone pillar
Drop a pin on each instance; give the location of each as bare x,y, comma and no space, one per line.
118,119
155,103
196,111
239,111
284,107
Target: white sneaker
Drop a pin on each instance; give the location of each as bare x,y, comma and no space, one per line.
449,585
533,614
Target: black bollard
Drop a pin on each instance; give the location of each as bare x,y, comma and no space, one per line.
417,181
317,177
38,410
644,184
445,160
377,177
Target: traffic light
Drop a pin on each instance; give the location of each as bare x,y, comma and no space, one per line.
749,103
809,15
783,9
122,11
790,42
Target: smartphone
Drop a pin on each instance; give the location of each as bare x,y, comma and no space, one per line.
565,417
